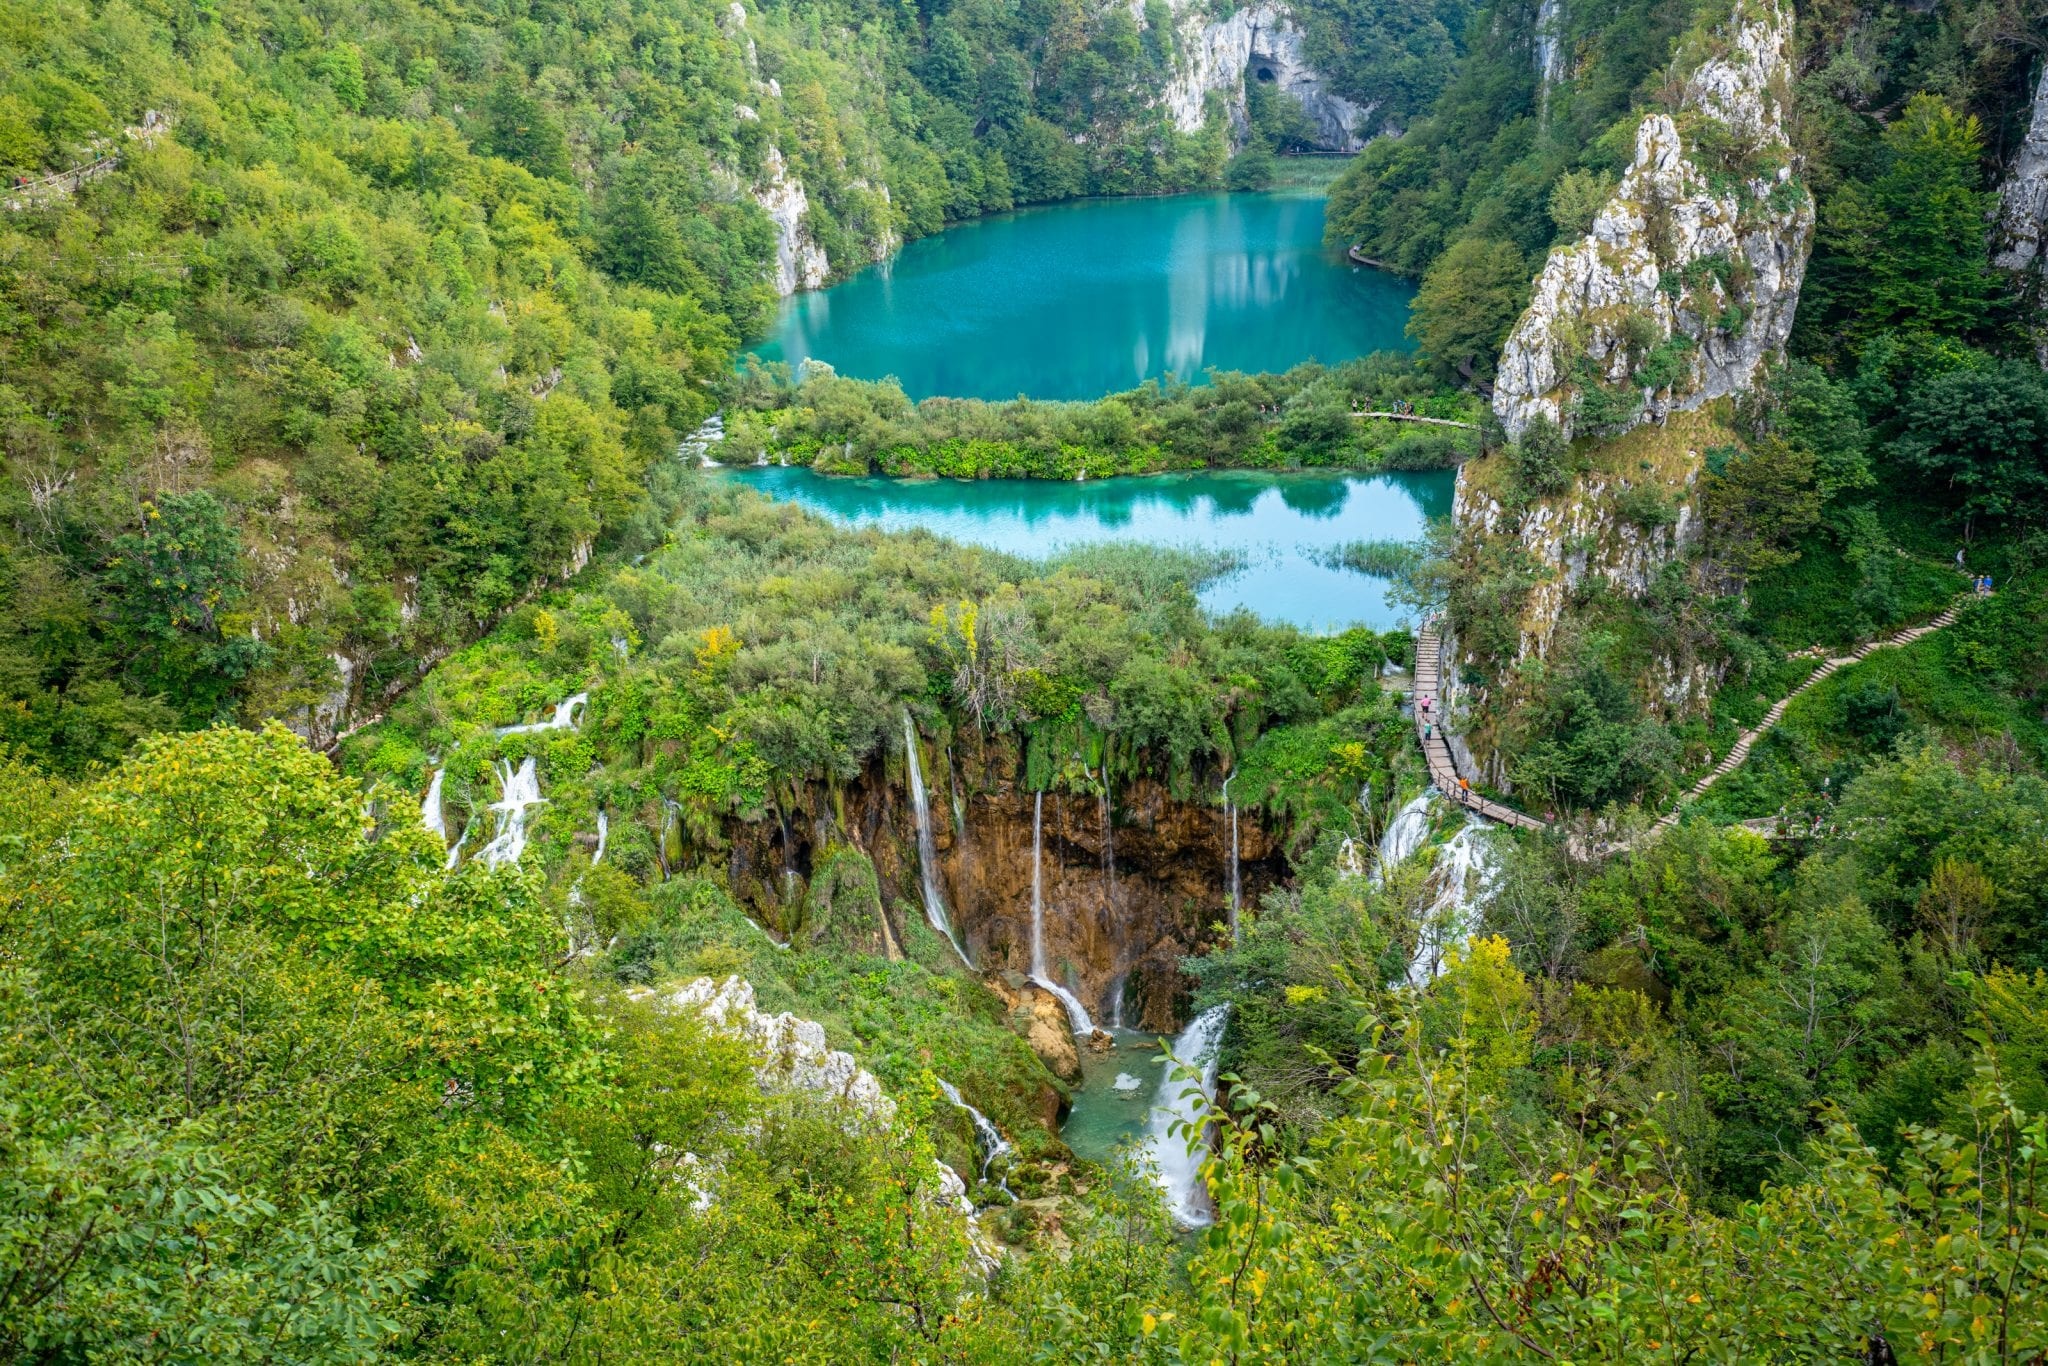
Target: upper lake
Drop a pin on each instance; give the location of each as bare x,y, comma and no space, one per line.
1078,300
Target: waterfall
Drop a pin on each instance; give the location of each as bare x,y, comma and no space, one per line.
927,851
1465,873
518,792
986,1135
773,942
1349,863
959,806
566,712
455,854
430,807
1077,1014
697,445
1230,810
604,831
1404,835
1116,1000
669,843
1180,1170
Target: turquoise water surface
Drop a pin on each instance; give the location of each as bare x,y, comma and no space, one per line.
1081,299
1281,524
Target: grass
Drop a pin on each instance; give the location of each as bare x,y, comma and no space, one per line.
1382,558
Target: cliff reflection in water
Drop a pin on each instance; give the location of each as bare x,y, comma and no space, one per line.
1281,525
1078,300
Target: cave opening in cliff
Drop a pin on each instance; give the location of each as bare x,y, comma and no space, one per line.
1265,73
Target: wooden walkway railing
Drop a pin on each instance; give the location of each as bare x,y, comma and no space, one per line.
1436,745
1417,417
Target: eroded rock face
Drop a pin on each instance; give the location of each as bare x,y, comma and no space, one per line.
1580,537
1115,927
799,261
2023,216
1259,43
791,1053
1689,278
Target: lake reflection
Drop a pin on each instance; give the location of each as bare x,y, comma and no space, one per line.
1279,523
1078,300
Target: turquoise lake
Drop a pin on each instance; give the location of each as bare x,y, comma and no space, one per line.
1082,299
1282,525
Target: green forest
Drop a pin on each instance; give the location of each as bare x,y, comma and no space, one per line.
644,961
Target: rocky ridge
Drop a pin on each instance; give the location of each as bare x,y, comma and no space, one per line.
2023,216
1258,43
1688,280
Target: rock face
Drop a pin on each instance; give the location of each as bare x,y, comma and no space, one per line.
1690,275
2023,216
1116,921
1579,537
1261,43
799,261
791,1053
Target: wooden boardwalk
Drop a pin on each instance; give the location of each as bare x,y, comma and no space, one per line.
1417,417
1436,748
1747,740
1443,768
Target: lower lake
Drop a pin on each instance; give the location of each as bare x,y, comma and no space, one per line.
1282,526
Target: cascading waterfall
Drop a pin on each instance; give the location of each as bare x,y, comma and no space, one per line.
1349,862
1404,835
697,445
927,850
1116,1000
604,832
1077,1014
987,1136
1179,1169
430,807
518,793
1465,871
566,712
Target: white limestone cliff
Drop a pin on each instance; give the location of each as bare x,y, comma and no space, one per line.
791,1053
1258,43
791,1057
2023,216
1693,269
799,261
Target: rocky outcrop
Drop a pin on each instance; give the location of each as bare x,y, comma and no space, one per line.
799,261
1580,537
1260,43
2023,217
1688,280
791,1054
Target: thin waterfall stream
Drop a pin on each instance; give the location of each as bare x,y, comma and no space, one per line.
987,1137
1077,1014
927,848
